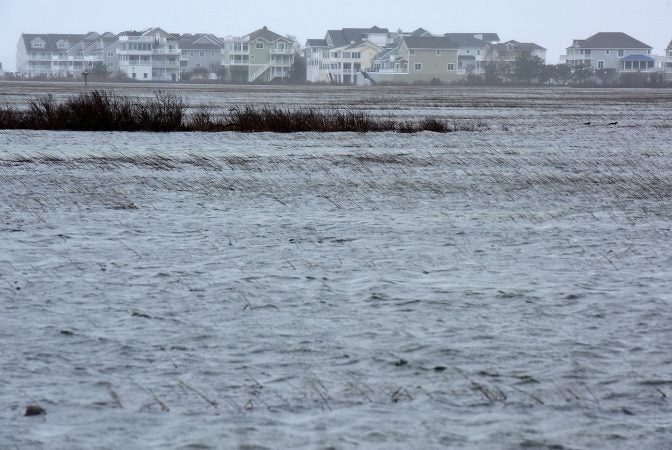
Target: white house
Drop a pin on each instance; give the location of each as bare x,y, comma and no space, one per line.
344,54
150,55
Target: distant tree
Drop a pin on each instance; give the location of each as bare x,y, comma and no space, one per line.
547,73
606,76
527,68
490,75
119,76
297,73
200,73
634,79
505,71
562,73
99,72
474,79
656,79
582,73
222,73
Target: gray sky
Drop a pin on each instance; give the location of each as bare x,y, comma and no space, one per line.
550,24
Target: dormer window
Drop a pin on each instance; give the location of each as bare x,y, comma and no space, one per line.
38,43
61,45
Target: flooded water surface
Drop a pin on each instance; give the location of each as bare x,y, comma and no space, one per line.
507,287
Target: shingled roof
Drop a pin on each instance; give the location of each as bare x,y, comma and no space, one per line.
431,43
608,40
265,34
524,46
51,40
466,39
317,43
347,36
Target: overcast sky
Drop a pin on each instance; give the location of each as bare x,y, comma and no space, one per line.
552,25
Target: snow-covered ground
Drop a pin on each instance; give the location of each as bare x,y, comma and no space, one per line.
503,288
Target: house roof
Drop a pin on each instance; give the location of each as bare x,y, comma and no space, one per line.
50,40
265,34
421,32
432,43
200,42
466,39
522,46
609,40
347,36
638,58
316,43
488,37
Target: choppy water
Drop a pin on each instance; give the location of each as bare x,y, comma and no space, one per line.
505,288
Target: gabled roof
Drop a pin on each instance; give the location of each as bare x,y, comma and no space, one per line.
200,42
431,43
421,32
50,41
347,36
316,43
152,31
466,39
609,40
521,46
265,34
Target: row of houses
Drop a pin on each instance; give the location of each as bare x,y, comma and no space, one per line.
372,55
345,56
156,55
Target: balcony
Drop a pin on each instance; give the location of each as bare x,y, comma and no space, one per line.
172,64
166,51
286,51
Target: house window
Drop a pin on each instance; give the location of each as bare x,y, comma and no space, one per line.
259,45
202,54
620,53
418,67
347,55
38,44
356,55
648,52
451,67
438,53
600,65
110,54
144,75
607,52
411,52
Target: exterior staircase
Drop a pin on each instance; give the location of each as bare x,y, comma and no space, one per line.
258,72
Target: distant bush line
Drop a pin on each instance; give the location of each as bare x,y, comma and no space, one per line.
105,111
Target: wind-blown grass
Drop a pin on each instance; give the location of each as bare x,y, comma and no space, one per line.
104,111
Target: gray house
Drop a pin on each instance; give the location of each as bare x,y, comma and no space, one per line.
472,50
201,53
611,50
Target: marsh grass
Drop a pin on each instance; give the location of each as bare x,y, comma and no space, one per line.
105,111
